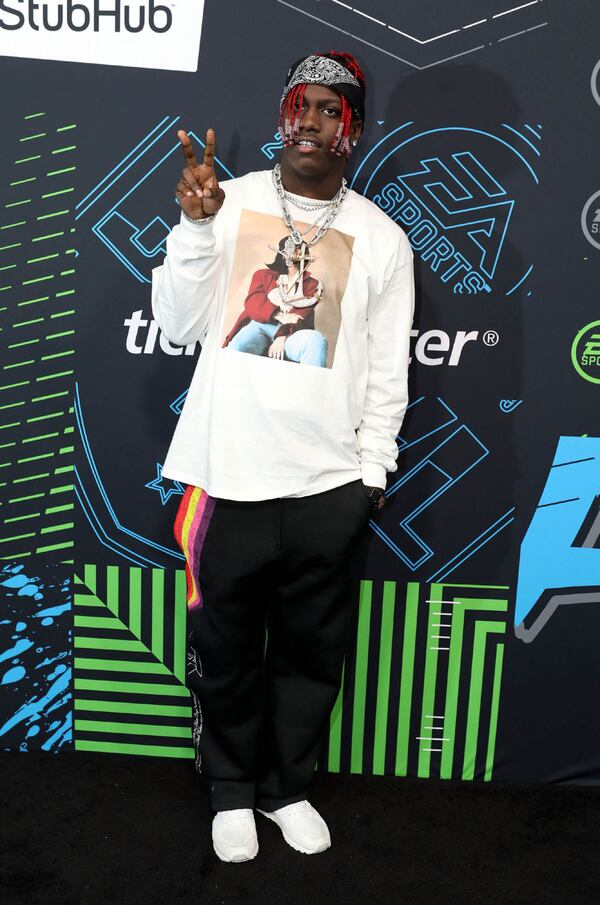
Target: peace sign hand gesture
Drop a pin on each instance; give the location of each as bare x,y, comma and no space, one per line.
198,190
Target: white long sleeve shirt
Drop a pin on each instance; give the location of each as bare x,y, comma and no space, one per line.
255,426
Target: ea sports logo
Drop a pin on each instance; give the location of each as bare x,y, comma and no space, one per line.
590,220
585,352
458,193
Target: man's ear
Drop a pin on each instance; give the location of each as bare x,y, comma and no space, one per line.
356,129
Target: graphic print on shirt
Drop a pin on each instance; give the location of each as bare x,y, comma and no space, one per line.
289,311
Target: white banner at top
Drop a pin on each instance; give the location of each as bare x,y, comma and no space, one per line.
149,34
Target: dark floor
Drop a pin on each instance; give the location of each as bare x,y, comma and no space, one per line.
93,829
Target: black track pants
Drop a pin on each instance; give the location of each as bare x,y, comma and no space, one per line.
289,565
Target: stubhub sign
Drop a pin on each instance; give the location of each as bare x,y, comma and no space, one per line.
150,34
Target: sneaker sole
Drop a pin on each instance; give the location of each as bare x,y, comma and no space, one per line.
237,857
292,842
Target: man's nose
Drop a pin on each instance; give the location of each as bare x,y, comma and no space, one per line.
310,118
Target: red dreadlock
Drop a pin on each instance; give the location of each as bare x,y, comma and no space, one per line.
350,62
291,109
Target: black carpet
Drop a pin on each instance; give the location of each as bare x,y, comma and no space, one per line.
85,829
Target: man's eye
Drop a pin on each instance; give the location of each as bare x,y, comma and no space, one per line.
333,110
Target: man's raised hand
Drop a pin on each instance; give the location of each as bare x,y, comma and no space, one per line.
198,190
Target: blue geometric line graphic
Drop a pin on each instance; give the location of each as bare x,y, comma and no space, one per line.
485,536
164,121
177,405
533,132
526,140
427,402
157,484
93,517
150,248
374,148
128,240
116,220
509,405
430,132
463,429
270,147
522,280
463,452
99,531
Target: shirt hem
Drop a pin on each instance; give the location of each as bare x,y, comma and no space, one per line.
221,489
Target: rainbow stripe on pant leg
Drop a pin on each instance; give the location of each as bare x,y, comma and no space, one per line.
191,523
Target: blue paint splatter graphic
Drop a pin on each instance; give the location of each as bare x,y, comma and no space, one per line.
36,658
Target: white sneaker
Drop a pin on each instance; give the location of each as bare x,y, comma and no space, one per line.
302,826
234,835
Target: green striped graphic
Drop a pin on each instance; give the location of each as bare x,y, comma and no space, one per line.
129,662
34,374
482,629
441,642
420,690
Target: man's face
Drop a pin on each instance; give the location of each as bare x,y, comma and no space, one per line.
319,121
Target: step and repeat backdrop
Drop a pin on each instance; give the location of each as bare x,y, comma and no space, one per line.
475,655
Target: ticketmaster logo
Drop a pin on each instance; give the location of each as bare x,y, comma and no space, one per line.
137,33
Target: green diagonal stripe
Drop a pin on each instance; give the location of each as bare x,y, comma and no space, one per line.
102,643
104,622
154,688
135,666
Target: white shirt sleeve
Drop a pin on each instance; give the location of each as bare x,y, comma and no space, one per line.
183,286
389,324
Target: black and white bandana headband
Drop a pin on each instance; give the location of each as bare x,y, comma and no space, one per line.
322,70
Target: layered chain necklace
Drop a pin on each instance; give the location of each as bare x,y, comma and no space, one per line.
296,246
307,204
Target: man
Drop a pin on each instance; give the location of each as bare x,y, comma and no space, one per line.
284,457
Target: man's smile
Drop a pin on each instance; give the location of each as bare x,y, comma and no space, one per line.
307,145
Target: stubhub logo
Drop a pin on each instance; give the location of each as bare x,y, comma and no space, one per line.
149,34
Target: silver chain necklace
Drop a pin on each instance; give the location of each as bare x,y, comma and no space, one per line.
329,214
316,222
307,204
